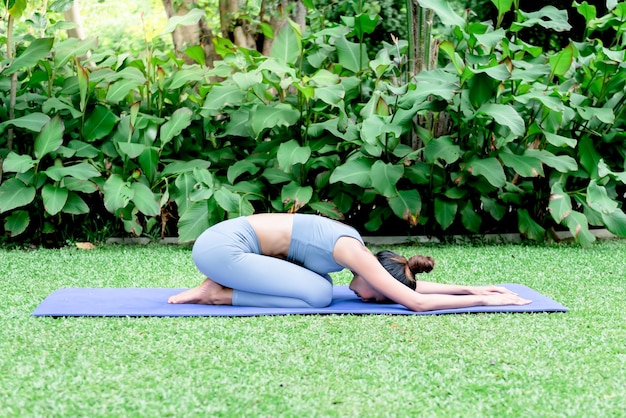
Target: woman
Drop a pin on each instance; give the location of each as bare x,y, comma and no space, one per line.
283,260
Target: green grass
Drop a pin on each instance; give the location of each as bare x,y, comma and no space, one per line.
531,365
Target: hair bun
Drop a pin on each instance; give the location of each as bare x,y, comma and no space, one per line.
421,264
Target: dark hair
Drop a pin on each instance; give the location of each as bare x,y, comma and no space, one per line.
404,270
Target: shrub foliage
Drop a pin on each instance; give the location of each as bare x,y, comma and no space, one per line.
502,136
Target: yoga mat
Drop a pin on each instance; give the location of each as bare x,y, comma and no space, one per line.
153,302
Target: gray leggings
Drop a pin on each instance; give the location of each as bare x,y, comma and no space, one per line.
229,254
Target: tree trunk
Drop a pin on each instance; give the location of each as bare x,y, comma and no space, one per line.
423,53
186,36
239,31
277,18
73,15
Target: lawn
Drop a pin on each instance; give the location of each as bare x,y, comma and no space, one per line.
474,365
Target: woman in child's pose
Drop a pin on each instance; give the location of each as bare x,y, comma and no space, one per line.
283,260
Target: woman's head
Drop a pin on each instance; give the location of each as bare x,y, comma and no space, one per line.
404,270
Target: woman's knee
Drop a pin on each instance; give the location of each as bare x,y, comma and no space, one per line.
320,297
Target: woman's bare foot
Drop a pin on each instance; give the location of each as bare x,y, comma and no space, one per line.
208,293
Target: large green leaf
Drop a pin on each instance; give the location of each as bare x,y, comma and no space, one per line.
332,95
506,116
407,205
365,24
264,117
193,221
54,198
503,6
239,168
120,89
560,205
490,169
604,170
482,88
76,185
578,226
276,176
385,176
375,129
75,205
328,209
294,195
561,163
247,80
604,114
191,18
196,53
14,194
357,171
352,56
495,209
187,76
99,124
551,102
81,171
50,138
180,120
227,200
561,62
444,11
524,165
17,222
149,162
492,38
442,148
83,149
55,105
145,201
559,140
72,47
130,74
599,200
470,219
445,212
549,17
239,124
32,121
291,153
588,156
83,84
436,83
287,46
131,149
527,226
179,167
449,48
181,194
37,50
222,96
615,222
15,163
16,8
117,193
586,10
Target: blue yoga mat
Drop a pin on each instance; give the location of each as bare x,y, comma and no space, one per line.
153,302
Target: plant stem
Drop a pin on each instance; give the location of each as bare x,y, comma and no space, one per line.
13,88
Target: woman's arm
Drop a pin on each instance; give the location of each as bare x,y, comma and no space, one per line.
453,289
351,254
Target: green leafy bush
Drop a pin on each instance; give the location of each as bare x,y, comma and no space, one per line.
502,133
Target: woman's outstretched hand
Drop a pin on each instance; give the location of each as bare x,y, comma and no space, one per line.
490,290
498,299
498,295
